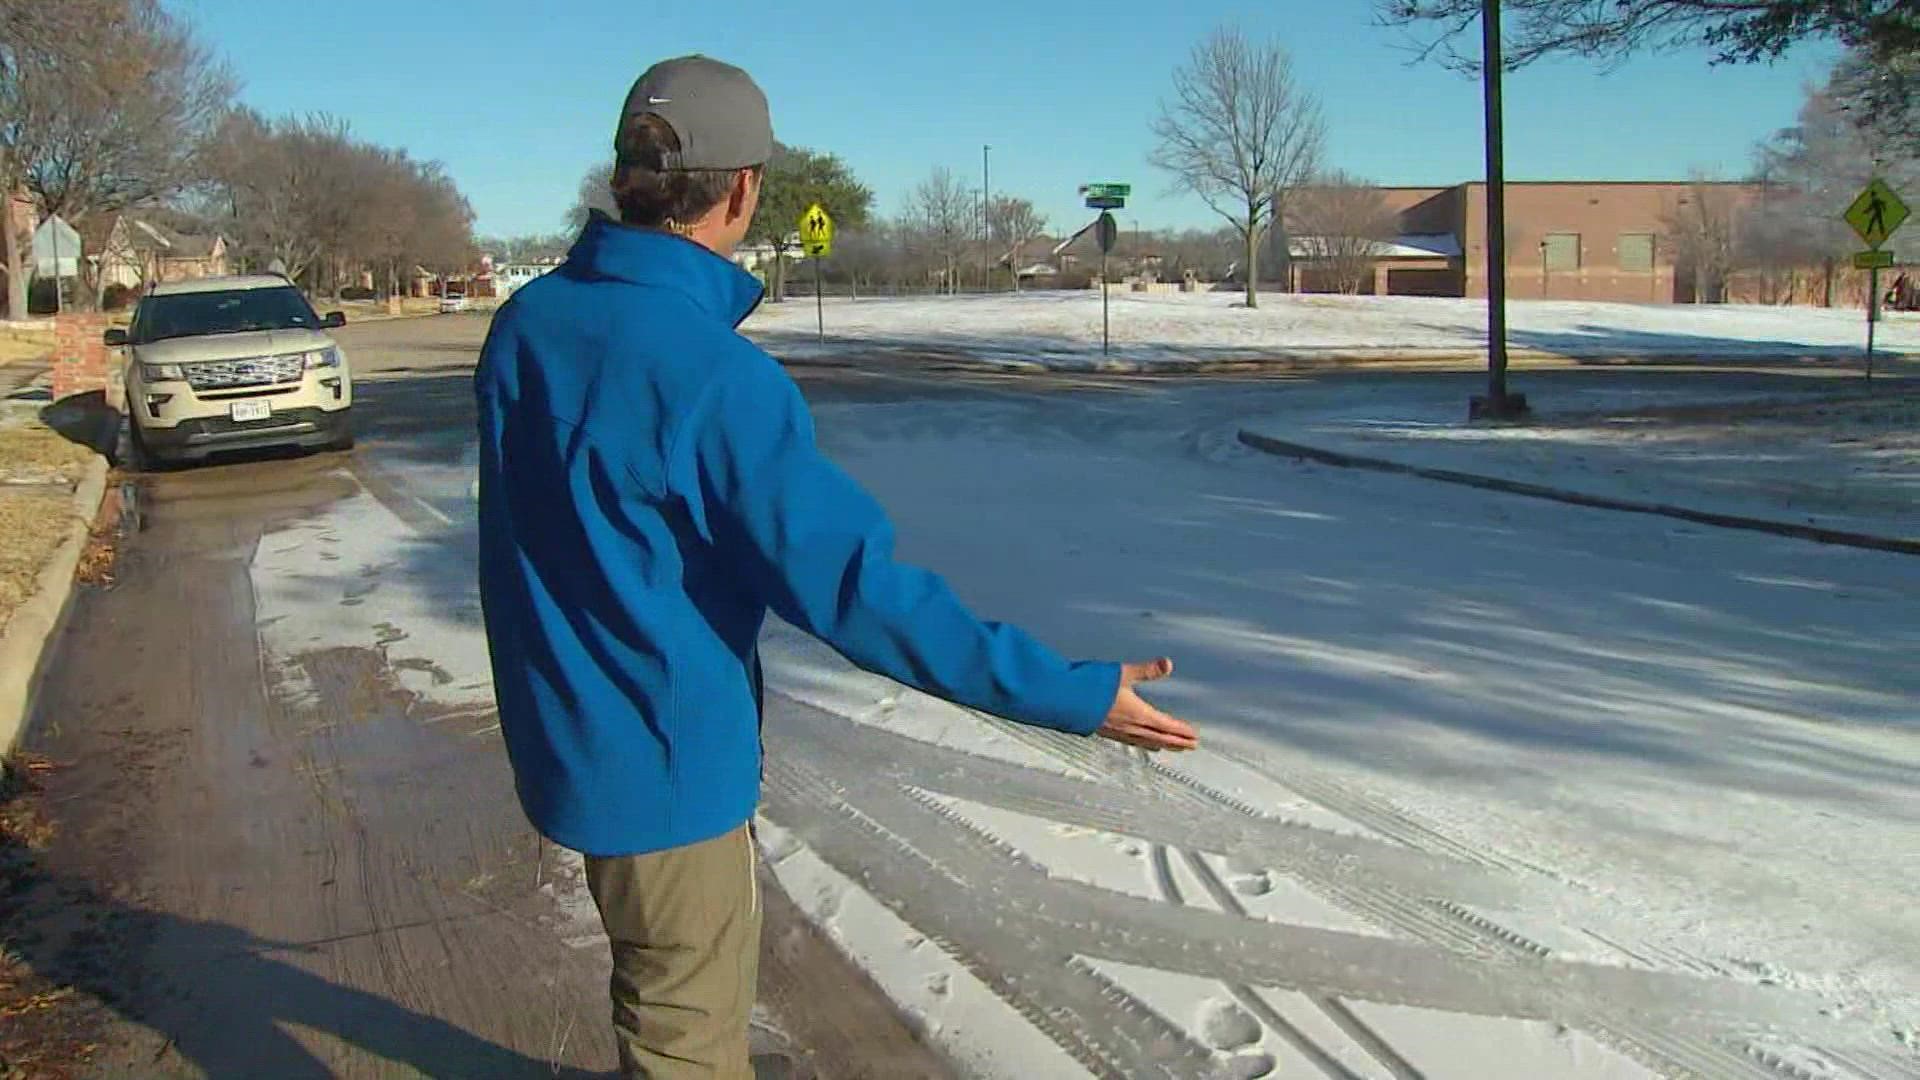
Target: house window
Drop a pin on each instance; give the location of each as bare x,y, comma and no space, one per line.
1636,253
1562,251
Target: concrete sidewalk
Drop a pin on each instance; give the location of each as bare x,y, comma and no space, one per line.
1835,467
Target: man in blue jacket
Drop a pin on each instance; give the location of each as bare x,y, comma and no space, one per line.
649,488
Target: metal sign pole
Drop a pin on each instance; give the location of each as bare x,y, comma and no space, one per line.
58,282
1106,325
1873,312
819,305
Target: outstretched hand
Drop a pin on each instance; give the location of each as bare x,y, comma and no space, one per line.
1134,722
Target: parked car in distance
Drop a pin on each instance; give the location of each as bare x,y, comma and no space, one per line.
453,298
233,363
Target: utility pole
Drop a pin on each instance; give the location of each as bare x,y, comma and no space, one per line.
986,219
1497,404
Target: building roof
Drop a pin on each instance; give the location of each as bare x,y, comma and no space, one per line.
166,243
1409,246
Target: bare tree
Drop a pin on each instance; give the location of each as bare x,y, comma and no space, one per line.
290,187
306,193
1807,172
943,211
34,37
596,193
525,247
117,115
1742,30
1340,222
1879,90
1011,225
1788,252
1240,133
1210,254
103,105
1699,229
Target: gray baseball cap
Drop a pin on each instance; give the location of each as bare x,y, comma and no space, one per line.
716,109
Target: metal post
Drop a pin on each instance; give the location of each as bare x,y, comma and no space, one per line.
819,304
1106,326
986,220
1497,403
1873,313
59,282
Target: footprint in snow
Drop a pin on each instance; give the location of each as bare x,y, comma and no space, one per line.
1251,1067
1254,884
1226,1026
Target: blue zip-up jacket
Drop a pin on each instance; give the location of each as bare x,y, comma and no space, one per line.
649,487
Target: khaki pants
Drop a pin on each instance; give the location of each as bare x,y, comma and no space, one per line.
685,927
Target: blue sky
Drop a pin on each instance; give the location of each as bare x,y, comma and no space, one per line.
519,99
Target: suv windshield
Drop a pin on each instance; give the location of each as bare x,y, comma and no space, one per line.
232,312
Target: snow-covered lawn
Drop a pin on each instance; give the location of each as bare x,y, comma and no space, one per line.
1850,463
1062,329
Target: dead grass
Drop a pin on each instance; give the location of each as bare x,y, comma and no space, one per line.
32,453
31,527
38,470
16,345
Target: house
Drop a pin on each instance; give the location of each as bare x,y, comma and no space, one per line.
1132,256
509,277
751,257
140,252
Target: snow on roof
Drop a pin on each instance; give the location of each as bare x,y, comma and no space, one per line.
1409,246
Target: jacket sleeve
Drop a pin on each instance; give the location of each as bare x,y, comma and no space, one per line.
819,550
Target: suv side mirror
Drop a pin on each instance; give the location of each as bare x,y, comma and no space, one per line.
333,320
115,337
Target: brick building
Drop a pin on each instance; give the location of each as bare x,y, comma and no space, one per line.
1572,240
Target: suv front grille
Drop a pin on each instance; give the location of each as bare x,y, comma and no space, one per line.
235,374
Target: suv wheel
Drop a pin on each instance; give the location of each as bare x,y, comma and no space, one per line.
343,439
145,458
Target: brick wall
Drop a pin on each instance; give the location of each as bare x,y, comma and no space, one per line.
80,357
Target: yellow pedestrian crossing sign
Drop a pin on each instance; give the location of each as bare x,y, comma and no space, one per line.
1877,214
816,232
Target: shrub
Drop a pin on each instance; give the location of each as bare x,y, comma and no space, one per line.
356,292
119,298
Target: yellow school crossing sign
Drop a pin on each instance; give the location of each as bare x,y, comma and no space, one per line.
1877,214
816,232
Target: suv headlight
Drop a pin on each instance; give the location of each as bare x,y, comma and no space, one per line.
161,372
323,358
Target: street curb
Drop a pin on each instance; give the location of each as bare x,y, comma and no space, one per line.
26,647
1283,448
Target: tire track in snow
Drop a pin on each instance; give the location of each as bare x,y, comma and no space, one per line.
1445,922
943,900
1456,959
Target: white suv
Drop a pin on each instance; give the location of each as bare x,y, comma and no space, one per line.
233,363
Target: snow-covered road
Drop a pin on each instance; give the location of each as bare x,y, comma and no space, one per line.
1491,787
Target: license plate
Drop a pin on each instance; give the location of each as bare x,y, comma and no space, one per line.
244,411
